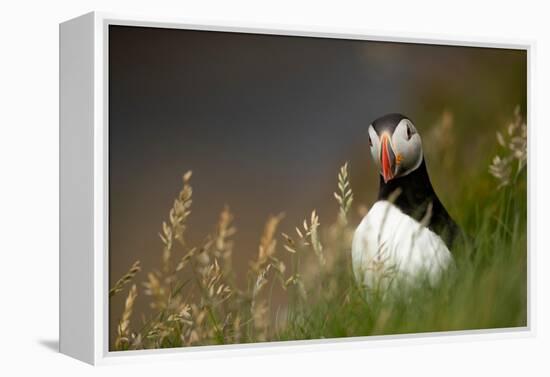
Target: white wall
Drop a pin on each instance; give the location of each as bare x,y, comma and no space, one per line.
29,182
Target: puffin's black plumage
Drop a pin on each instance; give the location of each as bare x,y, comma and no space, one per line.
388,122
416,191
415,195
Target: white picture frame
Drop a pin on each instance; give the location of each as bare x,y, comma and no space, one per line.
84,188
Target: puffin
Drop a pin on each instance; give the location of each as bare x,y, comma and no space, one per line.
407,233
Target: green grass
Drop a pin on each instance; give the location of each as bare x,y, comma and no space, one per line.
487,289
195,299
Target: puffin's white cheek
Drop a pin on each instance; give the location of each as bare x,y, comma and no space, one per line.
416,151
401,150
408,153
407,156
374,154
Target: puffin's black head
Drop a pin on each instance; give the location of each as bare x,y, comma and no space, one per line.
395,146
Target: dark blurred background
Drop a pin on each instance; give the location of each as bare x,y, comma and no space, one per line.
265,122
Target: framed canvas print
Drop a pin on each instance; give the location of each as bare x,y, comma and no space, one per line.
231,189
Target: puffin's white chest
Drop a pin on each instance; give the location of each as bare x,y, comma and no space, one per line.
389,244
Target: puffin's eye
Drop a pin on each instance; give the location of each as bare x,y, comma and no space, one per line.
409,132
370,142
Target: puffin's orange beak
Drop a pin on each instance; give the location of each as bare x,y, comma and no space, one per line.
387,158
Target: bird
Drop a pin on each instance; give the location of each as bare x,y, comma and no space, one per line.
407,233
